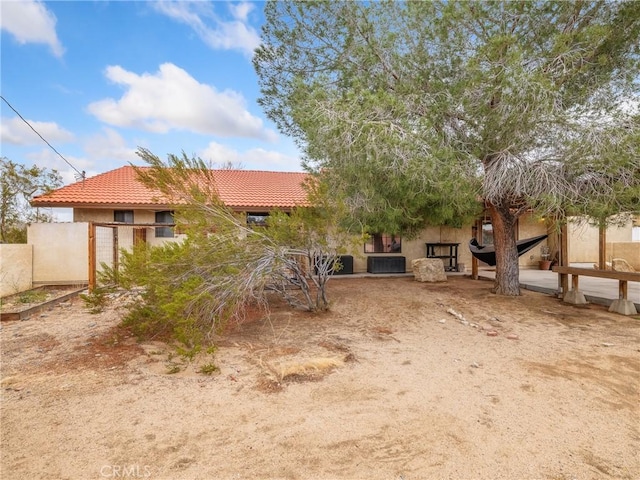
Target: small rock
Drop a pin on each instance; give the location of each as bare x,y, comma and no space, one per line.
91,325
513,336
605,344
492,333
442,321
475,365
459,316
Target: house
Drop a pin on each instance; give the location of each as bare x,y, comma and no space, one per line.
118,196
114,210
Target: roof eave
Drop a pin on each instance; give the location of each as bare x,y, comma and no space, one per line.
119,206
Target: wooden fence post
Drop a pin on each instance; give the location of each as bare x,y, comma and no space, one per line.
116,256
92,256
564,257
602,248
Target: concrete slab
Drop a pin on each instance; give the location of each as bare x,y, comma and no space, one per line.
601,291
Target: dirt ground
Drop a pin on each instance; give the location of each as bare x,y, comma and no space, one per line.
401,380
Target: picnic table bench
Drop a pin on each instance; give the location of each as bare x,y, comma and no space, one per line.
622,305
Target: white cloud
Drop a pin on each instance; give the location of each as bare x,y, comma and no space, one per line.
241,11
16,132
252,159
109,145
234,34
30,22
171,99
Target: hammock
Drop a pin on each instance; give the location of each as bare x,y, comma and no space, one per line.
487,253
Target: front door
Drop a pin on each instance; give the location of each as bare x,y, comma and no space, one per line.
139,236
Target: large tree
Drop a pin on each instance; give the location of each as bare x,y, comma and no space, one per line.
417,110
18,184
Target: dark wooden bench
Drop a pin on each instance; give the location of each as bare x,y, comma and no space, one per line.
622,305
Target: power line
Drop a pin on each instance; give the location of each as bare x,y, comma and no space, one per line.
81,175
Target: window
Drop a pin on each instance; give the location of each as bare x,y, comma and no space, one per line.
257,219
164,217
487,231
383,243
123,216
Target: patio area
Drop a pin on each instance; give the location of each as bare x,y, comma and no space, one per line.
601,291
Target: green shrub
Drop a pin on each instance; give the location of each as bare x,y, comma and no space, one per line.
96,300
208,369
32,296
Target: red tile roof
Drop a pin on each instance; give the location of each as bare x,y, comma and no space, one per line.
238,189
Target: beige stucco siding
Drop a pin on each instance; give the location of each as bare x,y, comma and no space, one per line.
105,215
528,226
16,268
60,252
629,251
125,240
584,241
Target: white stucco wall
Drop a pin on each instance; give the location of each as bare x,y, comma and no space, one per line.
16,267
60,252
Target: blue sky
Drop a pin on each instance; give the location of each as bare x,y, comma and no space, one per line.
99,79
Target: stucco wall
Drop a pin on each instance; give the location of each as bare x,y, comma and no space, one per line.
60,252
528,226
531,226
126,239
16,267
584,241
630,251
105,215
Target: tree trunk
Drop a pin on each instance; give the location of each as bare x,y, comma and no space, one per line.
507,280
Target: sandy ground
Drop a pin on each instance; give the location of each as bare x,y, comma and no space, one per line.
388,385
